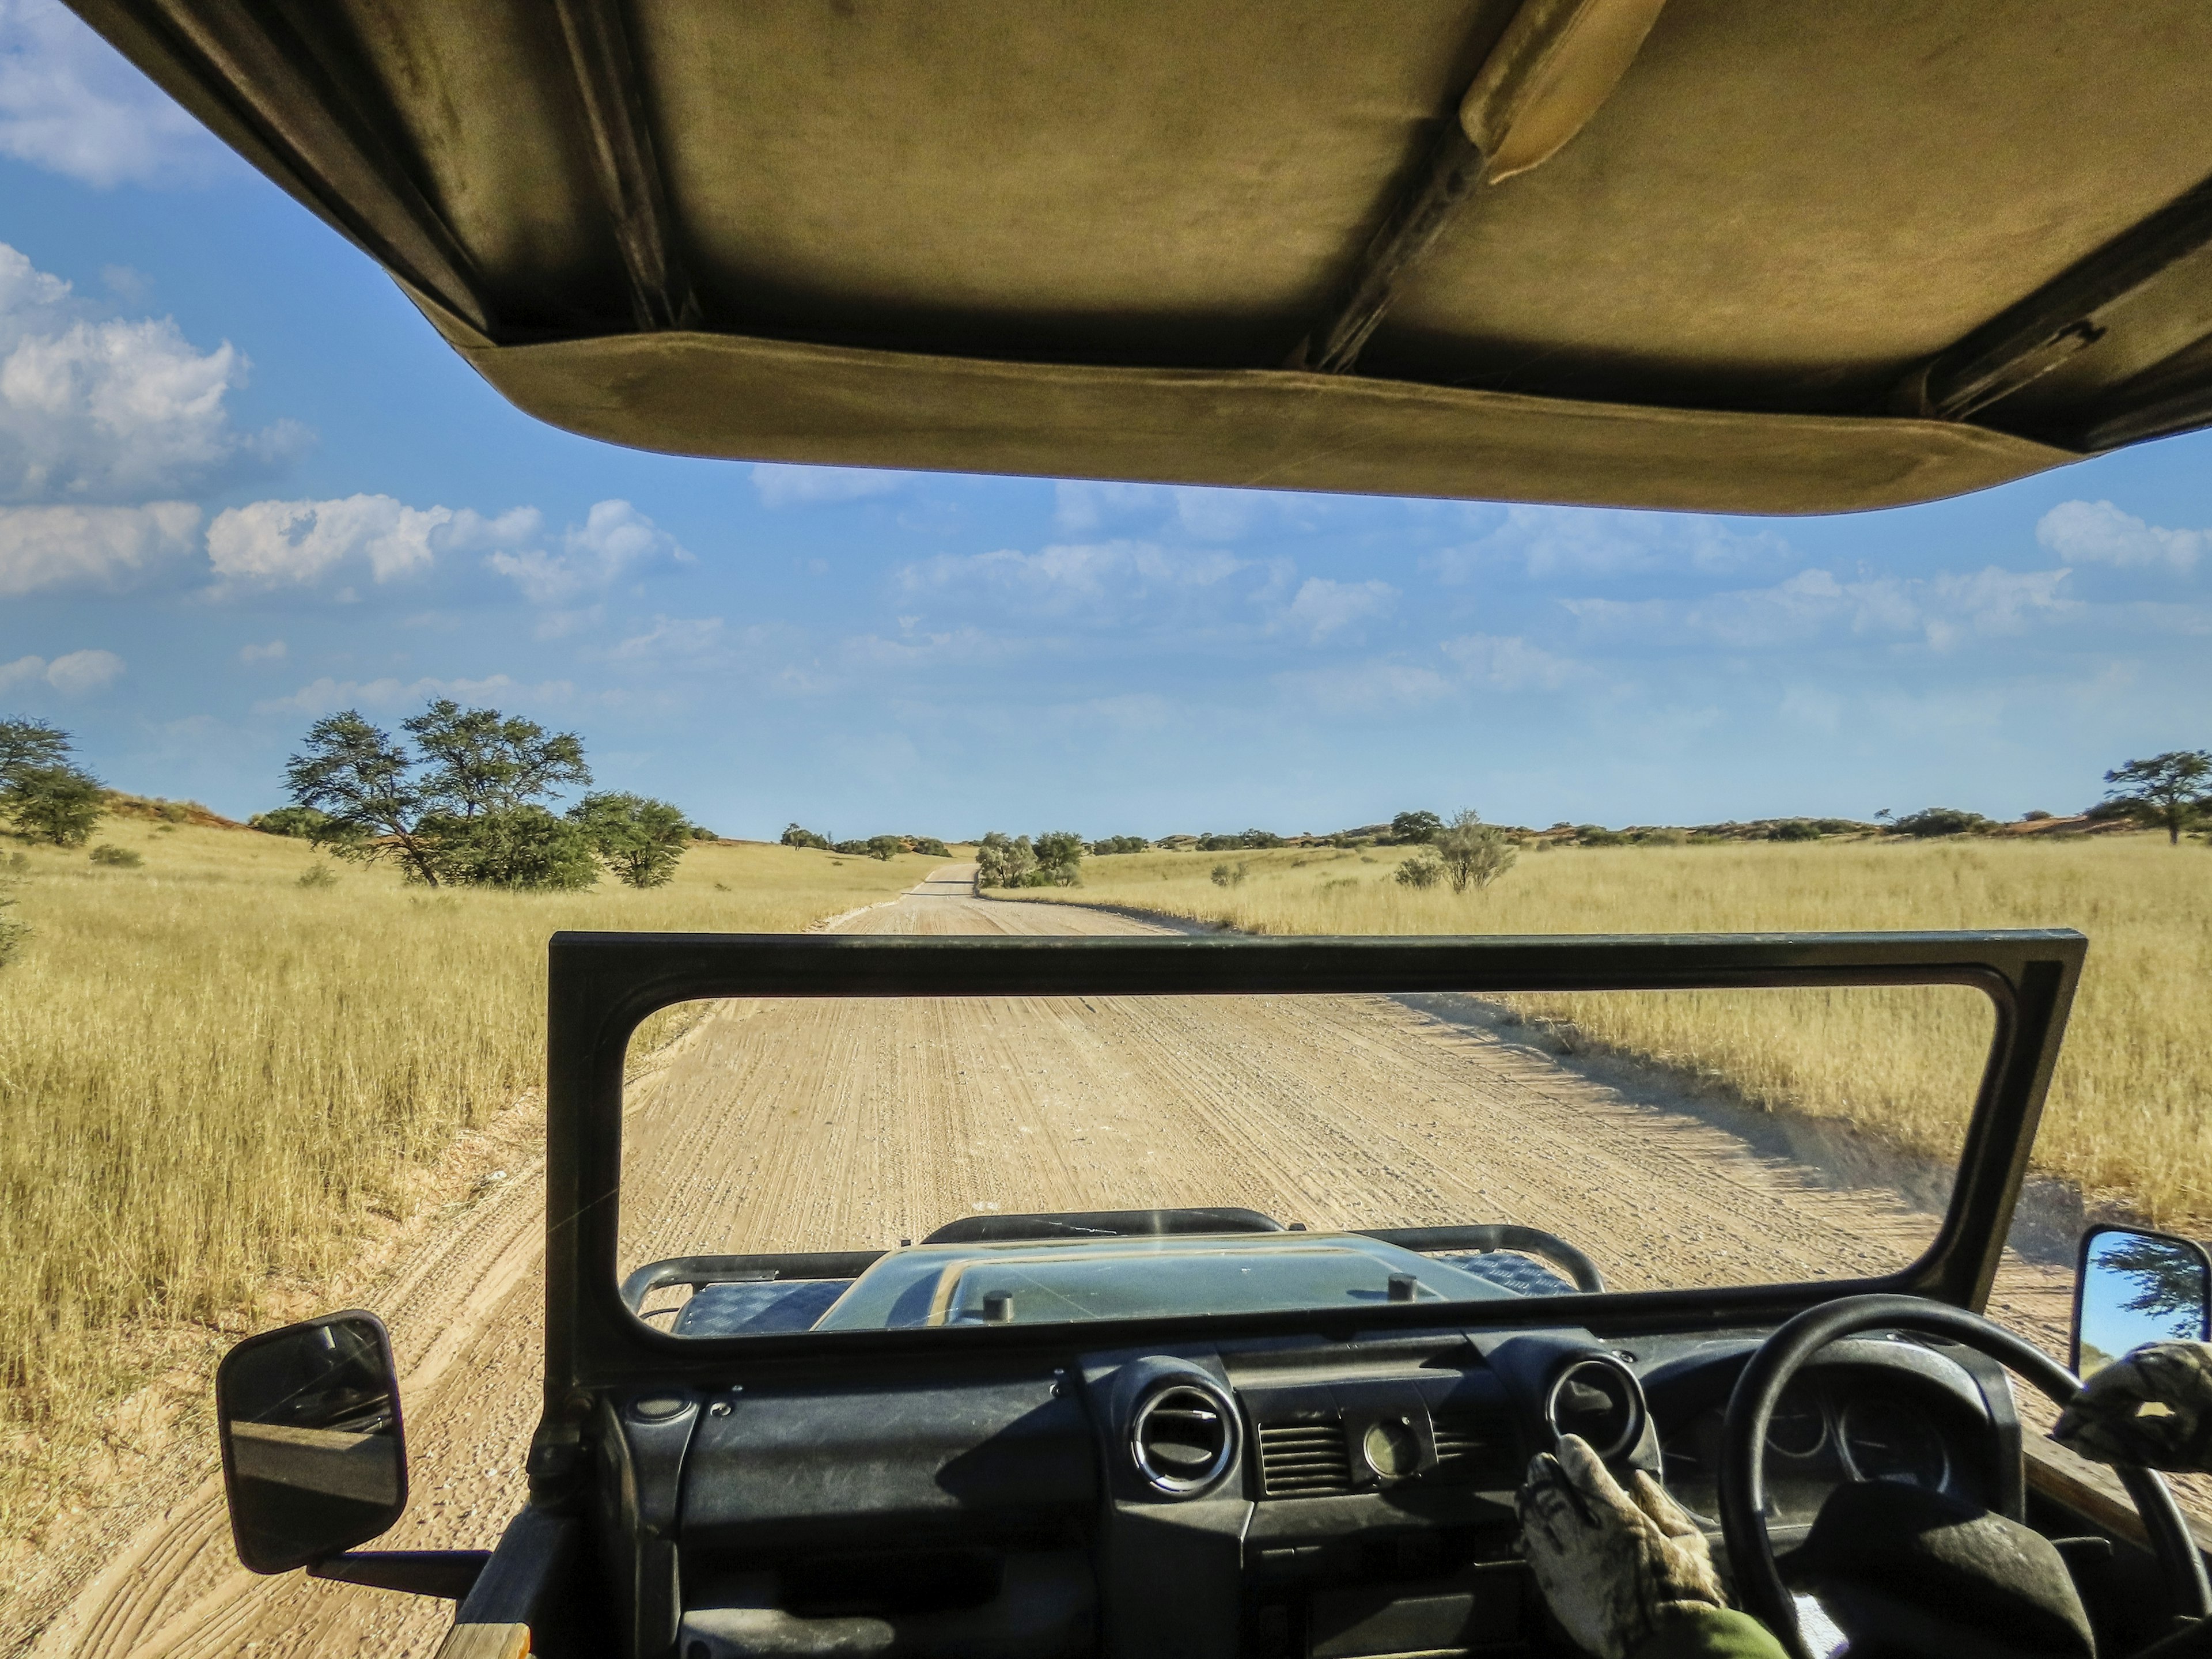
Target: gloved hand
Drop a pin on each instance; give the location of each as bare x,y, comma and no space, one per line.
1611,1563
2108,1423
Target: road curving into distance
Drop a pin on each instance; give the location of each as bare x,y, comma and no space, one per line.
820,1125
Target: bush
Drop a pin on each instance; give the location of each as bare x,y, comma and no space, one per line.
885,847
1941,821
1424,870
1113,844
795,837
1226,875
302,823
1596,834
2035,815
1794,829
1058,860
1472,853
1003,862
319,875
929,847
116,858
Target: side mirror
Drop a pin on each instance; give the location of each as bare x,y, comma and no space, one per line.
313,1461
2135,1287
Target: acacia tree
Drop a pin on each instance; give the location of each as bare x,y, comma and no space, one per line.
1473,853
642,839
2169,791
43,793
1411,829
466,811
363,784
1059,858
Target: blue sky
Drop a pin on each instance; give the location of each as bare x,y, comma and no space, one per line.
243,483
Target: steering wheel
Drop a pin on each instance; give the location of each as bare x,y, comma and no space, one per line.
1743,1444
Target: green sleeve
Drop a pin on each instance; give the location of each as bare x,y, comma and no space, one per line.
1692,1631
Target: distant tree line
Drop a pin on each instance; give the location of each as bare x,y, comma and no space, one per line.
466,805
875,847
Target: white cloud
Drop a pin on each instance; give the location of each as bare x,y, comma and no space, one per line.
71,104
72,675
1563,541
1081,508
1368,687
327,695
43,548
252,654
672,640
781,485
615,539
1323,607
272,544
1094,579
113,411
1510,663
1813,603
2097,532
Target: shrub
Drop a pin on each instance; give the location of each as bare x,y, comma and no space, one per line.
929,847
1058,860
1661,837
1596,834
1113,844
1226,875
1472,853
1003,862
1423,869
319,875
2035,815
116,858
1794,829
885,847
795,837
300,822
1941,821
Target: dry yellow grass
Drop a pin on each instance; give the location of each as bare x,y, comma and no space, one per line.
210,1077
2130,1113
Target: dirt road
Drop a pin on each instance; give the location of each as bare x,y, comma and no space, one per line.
820,1125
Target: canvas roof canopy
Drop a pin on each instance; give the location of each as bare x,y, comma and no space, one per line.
1731,255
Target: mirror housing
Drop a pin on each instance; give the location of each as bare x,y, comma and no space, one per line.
2133,1286
314,1460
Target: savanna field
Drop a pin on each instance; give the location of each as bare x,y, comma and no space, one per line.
212,1076
2130,1116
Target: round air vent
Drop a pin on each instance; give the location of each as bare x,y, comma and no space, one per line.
1600,1400
1182,1438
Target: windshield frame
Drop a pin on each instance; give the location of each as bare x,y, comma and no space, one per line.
602,985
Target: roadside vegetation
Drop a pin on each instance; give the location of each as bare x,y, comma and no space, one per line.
2130,1112
223,1052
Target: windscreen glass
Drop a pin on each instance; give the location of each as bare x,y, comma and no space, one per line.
864,1164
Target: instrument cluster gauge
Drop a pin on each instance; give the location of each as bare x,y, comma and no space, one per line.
1887,1437
1799,1428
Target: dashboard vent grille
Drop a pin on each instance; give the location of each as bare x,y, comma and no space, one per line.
1303,1459
1475,1447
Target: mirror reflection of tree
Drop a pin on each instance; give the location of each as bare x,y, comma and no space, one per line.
2167,1280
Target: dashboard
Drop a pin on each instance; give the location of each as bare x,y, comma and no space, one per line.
1290,1499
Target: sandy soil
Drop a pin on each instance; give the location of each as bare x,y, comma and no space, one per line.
816,1125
